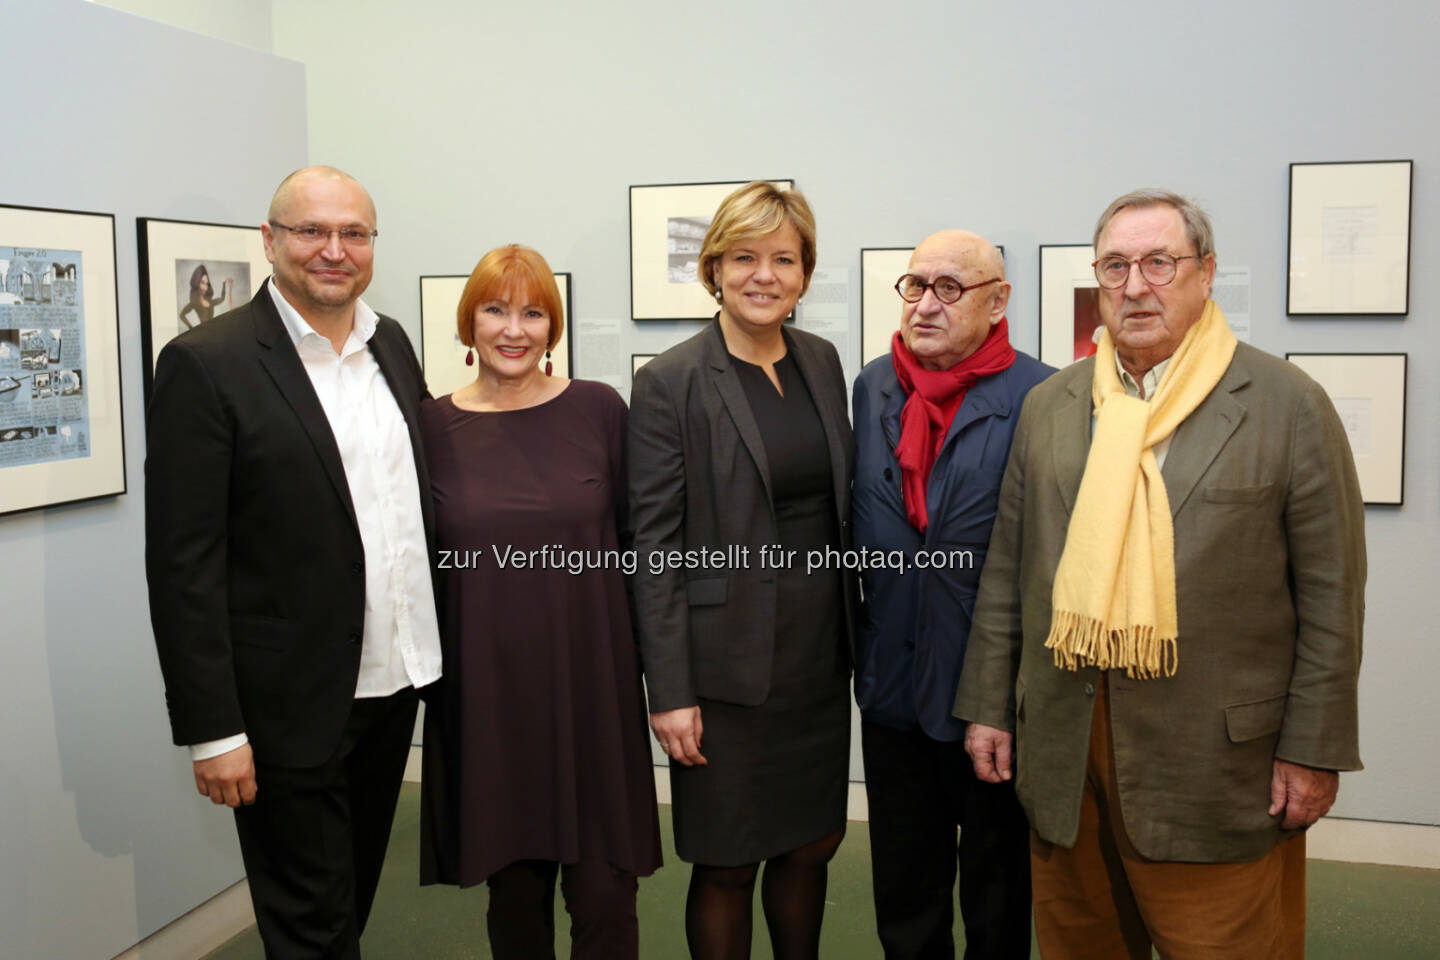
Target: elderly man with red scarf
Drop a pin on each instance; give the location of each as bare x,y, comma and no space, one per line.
933,424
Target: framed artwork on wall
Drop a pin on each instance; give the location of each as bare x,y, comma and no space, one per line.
190,273
880,305
1368,391
1069,303
443,355
62,433
1349,239
667,224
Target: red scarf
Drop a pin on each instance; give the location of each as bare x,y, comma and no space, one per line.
934,397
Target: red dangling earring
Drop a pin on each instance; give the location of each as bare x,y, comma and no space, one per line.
548,365
469,358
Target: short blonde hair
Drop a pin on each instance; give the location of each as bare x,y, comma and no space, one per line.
757,209
514,273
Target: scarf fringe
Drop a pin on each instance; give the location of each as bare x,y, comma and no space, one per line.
1081,641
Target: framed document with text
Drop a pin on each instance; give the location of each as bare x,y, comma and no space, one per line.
1349,239
1368,391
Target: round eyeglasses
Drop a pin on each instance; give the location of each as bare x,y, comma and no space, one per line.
947,289
1157,268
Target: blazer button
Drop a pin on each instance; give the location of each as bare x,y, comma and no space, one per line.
354,638
1089,689
357,568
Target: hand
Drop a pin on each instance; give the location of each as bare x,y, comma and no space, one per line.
679,734
991,751
228,778
1302,794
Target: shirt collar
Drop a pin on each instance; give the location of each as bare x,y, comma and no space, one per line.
298,328
1151,379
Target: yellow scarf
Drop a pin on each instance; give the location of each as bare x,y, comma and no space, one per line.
1114,601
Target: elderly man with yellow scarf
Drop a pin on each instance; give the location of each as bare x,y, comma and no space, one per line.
1169,622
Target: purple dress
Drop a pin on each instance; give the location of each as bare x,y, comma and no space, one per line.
536,743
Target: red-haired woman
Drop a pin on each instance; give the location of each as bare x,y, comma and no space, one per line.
536,755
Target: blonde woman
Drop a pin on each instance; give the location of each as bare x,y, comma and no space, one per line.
740,448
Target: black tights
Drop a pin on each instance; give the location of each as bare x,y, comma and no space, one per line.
718,908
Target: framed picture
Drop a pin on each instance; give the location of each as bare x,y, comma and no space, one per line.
441,352
190,273
1069,303
1368,390
1350,239
638,360
667,224
880,305
62,435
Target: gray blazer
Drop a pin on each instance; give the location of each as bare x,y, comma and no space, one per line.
1270,583
699,481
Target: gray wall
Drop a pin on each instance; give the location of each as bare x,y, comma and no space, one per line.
102,836
480,124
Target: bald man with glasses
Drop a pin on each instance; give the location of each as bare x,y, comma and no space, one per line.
288,544
933,423
1169,624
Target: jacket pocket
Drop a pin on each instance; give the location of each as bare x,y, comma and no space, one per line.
709,592
1236,494
1250,721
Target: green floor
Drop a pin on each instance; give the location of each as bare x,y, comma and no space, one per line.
1357,911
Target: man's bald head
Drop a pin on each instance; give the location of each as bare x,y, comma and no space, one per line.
281,202
965,249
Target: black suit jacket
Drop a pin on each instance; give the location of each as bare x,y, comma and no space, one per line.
699,481
253,556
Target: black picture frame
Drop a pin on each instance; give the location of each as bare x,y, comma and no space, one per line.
169,254
659,289
1370,393
442,356
61,395
1348,239
1064,268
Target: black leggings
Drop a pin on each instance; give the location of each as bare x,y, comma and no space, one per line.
719,906
599,898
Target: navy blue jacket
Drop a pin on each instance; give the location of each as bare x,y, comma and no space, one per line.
915,619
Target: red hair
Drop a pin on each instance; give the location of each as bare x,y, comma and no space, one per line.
515,274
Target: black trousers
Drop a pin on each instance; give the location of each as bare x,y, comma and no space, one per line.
600,899
314,840
919,791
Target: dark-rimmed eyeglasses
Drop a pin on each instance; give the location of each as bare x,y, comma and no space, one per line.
314,234
946,289
1157,268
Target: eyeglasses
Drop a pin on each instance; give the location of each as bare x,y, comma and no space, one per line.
1157,268
312,233
947,289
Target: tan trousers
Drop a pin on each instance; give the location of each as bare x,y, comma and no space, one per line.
1103,900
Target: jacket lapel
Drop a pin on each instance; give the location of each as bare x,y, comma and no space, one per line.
835,422
390,355
732,394
987,398
893,402
282,363
1071,438
1201,437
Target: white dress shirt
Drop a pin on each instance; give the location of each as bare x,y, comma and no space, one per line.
401,643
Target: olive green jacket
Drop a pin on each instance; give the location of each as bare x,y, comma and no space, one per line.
1270,584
